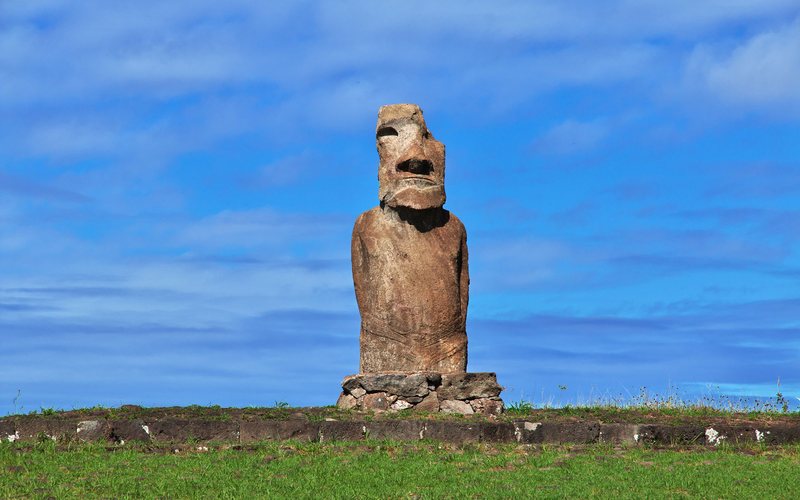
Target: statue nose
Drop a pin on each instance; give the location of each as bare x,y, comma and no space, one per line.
414,161
416,166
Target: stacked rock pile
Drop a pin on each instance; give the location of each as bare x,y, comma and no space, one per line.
464,393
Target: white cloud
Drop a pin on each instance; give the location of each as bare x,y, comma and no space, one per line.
543,20
261,228
178,272
572,137
83,77
73,138
522,263
761,74
286,170
689,19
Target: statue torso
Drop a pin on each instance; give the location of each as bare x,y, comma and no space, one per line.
410,278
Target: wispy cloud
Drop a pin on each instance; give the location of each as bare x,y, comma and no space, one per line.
757,180
264,227
759,74
572,137
23,187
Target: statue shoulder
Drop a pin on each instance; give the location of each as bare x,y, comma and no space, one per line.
454,222
366,219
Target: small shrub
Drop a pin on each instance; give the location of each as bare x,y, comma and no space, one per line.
520,407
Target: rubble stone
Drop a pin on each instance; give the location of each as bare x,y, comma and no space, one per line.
93,430
415,384
423,392
430,404
377,401
455,406
400,405
351,383
346,401
487,406
469,385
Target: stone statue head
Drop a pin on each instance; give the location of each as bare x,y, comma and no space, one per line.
411,171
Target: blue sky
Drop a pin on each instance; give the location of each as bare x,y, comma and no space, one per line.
178,183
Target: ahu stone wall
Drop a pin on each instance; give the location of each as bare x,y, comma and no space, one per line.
464,393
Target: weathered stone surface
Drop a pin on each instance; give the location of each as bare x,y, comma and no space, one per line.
716,434
123,431
570,432
400,404
767,433
394,429
671,434
779,434
351,383
278,430
258,430
528,432
487,406
178,429
409,256
434,380
415,384
300,430
55,429
469,385
346,401
341,431
8,431
93,430
452,432
618,433
468,392
556,432
455,406
498,432
429,404
376,402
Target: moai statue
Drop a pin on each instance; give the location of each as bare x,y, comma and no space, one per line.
409,256
412,285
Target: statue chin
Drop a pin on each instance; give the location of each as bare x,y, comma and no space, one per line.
416,198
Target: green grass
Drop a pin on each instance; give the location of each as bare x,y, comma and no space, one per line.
653,411
646,406
374,469
645,414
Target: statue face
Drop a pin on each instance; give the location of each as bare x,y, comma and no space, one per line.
411,171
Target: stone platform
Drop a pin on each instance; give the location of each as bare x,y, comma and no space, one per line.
195,428
464,393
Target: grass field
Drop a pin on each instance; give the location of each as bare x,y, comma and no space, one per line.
649,413
371,469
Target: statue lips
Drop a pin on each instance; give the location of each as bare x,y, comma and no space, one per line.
417,181
416,192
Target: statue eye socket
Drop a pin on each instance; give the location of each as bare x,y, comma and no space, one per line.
385,131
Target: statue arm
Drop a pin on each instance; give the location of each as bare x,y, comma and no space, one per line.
358,264
464,278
